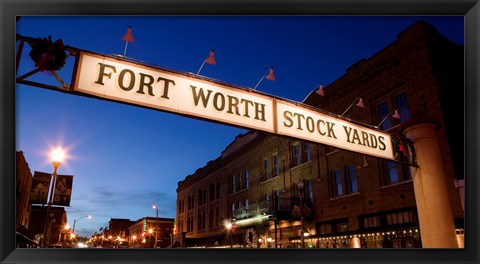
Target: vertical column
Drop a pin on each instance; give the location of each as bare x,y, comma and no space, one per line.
430,187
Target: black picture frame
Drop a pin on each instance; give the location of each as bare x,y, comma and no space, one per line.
470,9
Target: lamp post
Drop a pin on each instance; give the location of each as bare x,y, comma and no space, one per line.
76,220
300,189
229,227
57,157
63,235
156,225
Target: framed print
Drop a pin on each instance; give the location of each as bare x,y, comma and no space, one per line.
264,131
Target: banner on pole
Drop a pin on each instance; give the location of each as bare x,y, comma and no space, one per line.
63,190
40,186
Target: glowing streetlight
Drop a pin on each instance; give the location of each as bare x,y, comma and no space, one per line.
229,227
76,220
57,158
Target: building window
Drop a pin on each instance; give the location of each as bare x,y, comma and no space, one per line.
212,192
306,150
400,103
402,107
246,178
217,216
190,224
201,221
337,183
180,226
402,217
202,197
371,221
276,195
309,189
392,172
240,182
297,159
325,228
396,172
275,165
217,190
334,226
265,169
211,217
383,112
191,202
267,200
233,184
246,203
181,206
399,218
351,179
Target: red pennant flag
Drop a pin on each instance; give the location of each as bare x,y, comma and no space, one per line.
211,58
128,36
320,91
360,103
401,147
270,75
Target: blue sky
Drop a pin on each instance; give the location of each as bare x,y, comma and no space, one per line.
126,158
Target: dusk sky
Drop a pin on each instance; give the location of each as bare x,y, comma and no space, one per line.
126,158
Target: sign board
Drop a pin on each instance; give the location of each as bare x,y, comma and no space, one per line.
300,122
147,86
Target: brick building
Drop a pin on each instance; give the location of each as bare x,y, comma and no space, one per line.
23,185
345,199
142,232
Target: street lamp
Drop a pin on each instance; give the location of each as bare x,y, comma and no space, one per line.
64,233
300,186
76,220
156,225
57,157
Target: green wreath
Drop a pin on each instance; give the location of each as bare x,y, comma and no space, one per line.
47,55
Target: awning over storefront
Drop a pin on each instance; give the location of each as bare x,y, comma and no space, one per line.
209,241
23,239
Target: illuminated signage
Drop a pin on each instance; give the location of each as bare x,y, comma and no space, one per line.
301,122
160,89
190,95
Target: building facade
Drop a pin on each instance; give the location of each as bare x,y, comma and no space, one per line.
23,185
142,232
270,191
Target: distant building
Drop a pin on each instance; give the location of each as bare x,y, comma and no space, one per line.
142,232
346,199
22,193
118,231
31,218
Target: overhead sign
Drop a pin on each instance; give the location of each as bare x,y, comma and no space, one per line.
148,86
301,122
151,87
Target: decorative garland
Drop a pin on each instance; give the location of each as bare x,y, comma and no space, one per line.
47,55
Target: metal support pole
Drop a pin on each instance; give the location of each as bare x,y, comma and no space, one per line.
156,228
46,234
